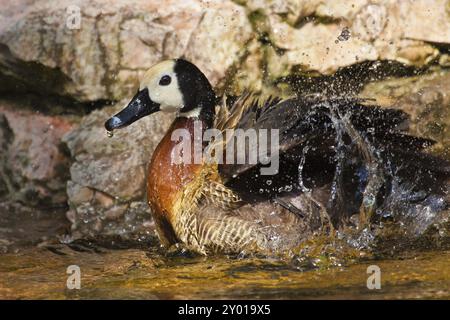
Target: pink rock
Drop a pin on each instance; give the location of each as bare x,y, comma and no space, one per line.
34,157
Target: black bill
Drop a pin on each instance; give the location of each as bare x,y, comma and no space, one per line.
140,106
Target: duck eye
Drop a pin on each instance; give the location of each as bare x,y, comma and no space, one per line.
165,80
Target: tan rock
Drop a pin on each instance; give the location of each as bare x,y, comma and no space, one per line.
219,39
340,33
98,48
102,199
115,212
79,194
424,20
340,9
370,22
323,52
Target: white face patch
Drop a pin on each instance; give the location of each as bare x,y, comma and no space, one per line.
169,96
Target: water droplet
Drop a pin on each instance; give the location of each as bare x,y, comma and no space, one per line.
110,134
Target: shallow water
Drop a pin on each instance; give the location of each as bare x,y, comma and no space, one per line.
38,273
34,265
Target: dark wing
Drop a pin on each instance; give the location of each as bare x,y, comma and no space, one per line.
316,138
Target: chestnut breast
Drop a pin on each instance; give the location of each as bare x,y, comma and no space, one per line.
168,174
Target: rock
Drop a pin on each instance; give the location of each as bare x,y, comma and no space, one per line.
292,10
6,137
107,178
418,20
79,194
219,39
33,165
250,73
116,212
323,53
306,36
426,98
340,9
370,22
96,50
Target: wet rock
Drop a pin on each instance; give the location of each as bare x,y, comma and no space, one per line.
115,212
122,221
97,50
33,164
107,178
79,194
426,98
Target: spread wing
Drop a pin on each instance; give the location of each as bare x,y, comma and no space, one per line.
318,138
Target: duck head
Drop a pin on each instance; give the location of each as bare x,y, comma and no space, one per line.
169,86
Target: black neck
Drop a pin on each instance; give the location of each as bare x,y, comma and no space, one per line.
197,91
208,113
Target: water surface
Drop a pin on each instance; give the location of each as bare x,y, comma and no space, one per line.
40,273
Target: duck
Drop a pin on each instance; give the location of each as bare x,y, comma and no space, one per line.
331,158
